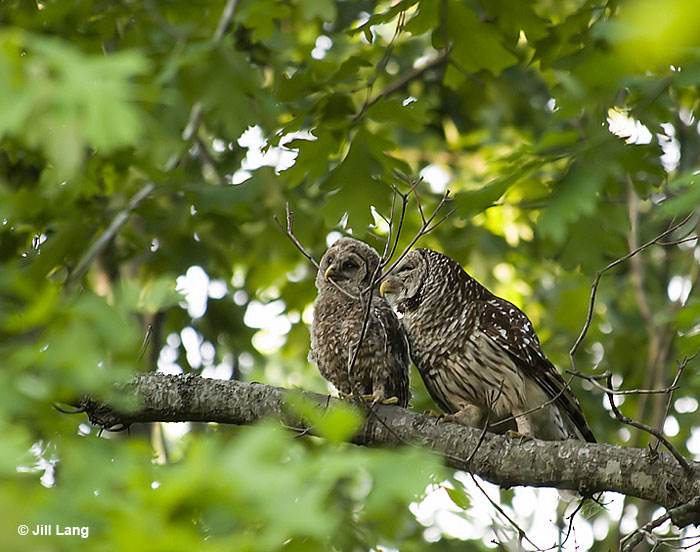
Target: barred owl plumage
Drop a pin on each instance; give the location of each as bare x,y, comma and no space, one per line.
381,369
471,346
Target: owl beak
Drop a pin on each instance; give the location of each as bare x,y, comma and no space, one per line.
330,270
386,286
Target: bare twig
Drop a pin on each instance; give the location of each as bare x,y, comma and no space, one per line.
197,112
521,532
629,542
225,20
188,133
599,275
428,226
655,432
99,244
146,341
681,366
563,390
593,380
289,232
404,80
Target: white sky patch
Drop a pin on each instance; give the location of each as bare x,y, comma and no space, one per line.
671,147
437,177
194,287
628,128
217,289
168,356
44,462
693,443
267,316
534,509
222,371
679,289
273,324
323,44
671,427
332,237
176,430
684,405
192,341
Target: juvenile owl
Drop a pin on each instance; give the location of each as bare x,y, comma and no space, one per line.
472,347
380,372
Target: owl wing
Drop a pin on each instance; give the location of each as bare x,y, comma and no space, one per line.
395,352
512,331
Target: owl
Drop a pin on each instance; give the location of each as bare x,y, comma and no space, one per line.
478,354
380,372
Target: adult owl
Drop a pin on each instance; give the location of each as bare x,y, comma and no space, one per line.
380,372
478,354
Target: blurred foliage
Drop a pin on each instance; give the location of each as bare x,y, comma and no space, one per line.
566,132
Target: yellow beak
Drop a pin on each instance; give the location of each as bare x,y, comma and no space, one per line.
328,272
384,287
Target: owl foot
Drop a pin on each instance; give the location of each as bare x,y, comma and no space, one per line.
515,435
345,396
376,398
433,414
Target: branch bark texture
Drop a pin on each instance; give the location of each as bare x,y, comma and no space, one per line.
573,465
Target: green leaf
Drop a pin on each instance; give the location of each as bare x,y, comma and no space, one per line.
574,196
412,116
355,181
459,497
476,45
336,422
62,101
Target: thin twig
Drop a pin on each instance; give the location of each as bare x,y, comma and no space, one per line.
404,80
225,20
674,385
146,341
629,542
567,386
599,275
655,432
427,227
99,244
289,232
197,111
592,379
521,532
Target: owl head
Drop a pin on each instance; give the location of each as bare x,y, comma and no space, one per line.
350,264
402,288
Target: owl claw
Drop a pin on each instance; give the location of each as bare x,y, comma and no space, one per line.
377,398
515,435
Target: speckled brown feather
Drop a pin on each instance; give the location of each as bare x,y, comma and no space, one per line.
381,368
468,344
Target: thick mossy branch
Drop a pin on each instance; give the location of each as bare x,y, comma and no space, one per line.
507,462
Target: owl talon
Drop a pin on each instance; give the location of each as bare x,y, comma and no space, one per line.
521,436
390,400
432,414
373,398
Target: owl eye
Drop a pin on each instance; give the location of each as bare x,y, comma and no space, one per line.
350,265
405,268
329,261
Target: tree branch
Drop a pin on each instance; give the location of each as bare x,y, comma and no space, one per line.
573,465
